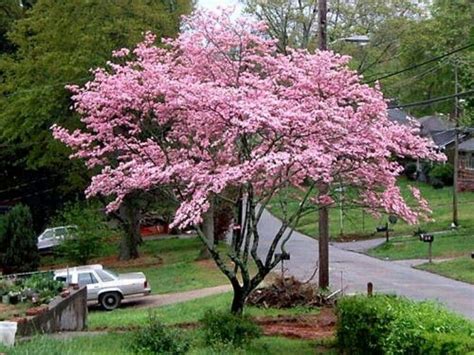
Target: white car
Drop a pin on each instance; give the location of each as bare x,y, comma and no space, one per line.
52,237
105,286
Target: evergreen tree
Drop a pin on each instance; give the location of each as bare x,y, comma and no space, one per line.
19,240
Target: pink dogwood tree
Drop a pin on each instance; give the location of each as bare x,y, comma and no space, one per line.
218,109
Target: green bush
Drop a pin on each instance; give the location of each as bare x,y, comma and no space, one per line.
395,325
220,327
410,171
44,285
19,241
156,338
442,172
88,240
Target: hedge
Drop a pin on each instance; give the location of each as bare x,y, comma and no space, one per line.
395,325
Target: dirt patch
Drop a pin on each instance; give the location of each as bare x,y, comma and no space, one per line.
317,326
207,263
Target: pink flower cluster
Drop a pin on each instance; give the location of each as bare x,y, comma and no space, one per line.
219,107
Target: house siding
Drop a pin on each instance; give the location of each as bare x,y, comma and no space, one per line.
465,178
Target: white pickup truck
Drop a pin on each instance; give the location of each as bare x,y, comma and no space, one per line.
105,286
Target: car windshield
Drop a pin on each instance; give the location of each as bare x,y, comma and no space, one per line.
48,233
110,272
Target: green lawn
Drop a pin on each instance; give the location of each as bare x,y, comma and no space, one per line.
118,343
173,265
357,223
448,245
461,269
190,311
179,270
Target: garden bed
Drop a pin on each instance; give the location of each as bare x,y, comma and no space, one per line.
29,296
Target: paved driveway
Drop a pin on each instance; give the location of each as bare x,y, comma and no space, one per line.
354,270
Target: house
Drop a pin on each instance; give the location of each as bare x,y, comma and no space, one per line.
398,116
442,132
466,165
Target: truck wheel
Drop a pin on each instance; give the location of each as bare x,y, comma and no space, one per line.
110,300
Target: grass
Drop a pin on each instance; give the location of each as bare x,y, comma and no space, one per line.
185,312
169,264
179,270
118,344
357,223
448,245
461,269
191,311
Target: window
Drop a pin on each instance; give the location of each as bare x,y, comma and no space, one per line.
60,232
66,280
86,278
470,161
47,234
106,277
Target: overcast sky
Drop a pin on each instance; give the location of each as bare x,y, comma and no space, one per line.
213,4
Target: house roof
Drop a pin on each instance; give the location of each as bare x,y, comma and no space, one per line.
443,138
398,116
434,124
467,145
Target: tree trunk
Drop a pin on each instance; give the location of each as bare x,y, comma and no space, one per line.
238,300
131,237
208,230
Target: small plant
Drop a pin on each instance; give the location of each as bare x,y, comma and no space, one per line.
221,327
156,338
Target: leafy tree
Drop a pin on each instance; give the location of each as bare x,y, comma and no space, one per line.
449,27
19,240
10,10
89,235
52,43
217,109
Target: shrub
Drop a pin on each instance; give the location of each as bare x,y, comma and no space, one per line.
19,240
442,172
395,325
437,184
410,171
221,327
156,338
88,241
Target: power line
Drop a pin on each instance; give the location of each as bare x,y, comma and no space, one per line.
421,64
436,99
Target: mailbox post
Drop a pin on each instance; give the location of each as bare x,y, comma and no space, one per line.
284,256
428,238
392,219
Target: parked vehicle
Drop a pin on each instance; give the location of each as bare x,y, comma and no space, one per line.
105,286
52,237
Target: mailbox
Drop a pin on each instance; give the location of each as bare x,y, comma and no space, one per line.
427,238
381,228
284,256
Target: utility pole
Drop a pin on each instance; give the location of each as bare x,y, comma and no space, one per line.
323,222
456,149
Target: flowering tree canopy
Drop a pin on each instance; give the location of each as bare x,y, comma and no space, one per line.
218,108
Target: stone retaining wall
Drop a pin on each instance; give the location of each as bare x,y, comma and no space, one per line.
63,314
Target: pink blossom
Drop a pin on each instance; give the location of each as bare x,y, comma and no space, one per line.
218,107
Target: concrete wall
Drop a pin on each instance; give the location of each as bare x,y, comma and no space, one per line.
64,314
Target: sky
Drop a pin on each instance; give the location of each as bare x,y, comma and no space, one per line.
213,4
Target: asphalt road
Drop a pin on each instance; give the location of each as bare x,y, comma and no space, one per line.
353,270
